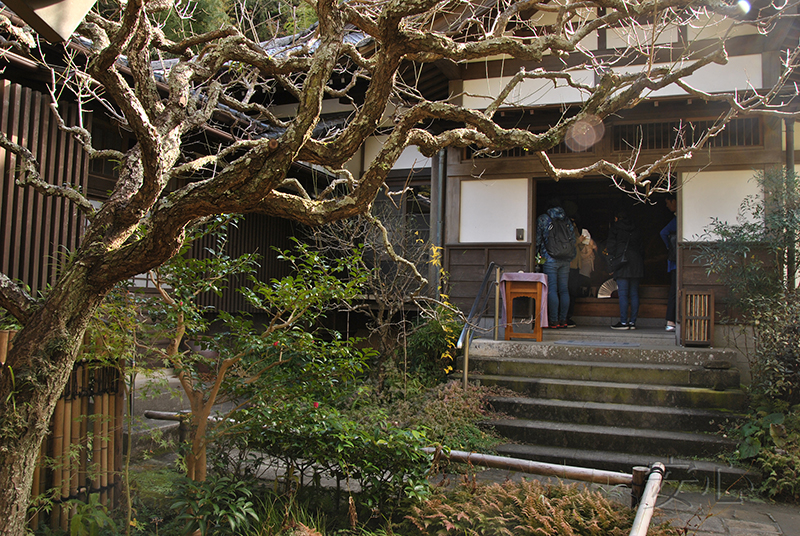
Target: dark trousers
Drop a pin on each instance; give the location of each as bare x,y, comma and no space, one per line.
672,297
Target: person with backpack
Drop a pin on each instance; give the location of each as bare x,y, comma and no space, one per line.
555,242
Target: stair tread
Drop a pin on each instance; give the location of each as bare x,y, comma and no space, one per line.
611,406
595,364
602,384
613,430
631,460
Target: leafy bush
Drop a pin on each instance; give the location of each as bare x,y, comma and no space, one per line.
432,344
449,414
781,469
91,518
216,506
754,259
305,437
527,507
771,438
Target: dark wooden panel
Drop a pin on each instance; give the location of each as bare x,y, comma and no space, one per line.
35,231
461,257
610,307
255,234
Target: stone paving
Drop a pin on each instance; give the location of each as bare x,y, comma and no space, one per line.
710,513
702,512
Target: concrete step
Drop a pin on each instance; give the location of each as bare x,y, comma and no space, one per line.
649,373
608,414
710,476
611,438
619,393
616,351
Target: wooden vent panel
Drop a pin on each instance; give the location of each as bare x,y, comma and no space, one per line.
698,318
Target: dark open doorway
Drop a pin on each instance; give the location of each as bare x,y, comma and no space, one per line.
591,203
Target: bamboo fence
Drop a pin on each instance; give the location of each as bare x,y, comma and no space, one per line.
83,453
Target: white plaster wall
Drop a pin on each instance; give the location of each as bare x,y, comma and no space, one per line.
712,27
741,72
545,18
713,194
640,36
410,158
479,93
492,211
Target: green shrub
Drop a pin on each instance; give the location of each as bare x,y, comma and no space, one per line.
219,505
449,414
432,344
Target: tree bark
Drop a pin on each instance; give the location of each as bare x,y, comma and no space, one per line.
36,371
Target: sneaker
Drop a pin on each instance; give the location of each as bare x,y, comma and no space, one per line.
620,325
670,328
571,324
632,325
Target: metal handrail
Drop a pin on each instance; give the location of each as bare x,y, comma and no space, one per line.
475,306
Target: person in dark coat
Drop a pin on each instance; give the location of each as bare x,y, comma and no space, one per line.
625,242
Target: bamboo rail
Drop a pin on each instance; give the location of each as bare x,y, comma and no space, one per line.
90,411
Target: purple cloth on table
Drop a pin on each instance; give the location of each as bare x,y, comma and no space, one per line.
525,276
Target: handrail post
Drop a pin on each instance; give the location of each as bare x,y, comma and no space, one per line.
466,358
647,504
497,304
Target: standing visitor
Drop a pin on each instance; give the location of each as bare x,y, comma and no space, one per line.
669,234
627,264
555,242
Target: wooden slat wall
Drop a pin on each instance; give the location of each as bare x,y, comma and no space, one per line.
466,265
35,232
259,234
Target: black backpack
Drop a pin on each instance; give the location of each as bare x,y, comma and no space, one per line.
560,240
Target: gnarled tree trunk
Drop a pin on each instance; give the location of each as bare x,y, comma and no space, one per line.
37,368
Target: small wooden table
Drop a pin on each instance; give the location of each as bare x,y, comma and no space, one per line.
524,285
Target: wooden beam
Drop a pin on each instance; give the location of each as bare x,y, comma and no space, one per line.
53,20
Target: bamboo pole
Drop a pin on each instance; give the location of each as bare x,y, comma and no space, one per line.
648,503
66,476
104,451
97,432
112,448
58,447
538,468
119,418
83,472
75,461
3,346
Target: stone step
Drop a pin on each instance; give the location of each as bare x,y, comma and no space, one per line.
611,438
609,414
649,373
619,393
711,476
598,351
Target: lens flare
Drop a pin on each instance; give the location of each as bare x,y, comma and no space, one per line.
744,6
584,133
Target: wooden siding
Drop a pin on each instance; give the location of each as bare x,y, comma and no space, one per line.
467,264
255,234
37,231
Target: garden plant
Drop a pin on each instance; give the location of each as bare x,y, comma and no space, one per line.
755,258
